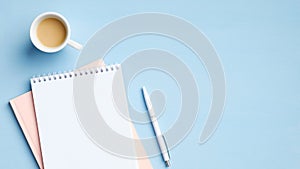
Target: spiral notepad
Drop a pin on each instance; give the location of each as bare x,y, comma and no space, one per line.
68,109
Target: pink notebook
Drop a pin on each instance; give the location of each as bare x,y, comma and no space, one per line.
24,111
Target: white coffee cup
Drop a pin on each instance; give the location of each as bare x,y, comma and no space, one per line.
38,44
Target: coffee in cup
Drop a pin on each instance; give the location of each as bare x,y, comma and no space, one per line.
51,32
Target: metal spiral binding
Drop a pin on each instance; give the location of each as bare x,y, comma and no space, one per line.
73,74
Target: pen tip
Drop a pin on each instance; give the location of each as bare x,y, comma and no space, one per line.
168,164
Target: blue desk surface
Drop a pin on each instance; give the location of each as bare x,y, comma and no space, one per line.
259,46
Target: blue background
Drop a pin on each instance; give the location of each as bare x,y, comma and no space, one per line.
258,44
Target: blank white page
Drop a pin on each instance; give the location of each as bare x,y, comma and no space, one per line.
65,143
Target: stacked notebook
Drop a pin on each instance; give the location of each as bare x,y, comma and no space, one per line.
55,131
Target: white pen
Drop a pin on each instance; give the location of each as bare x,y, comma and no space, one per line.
160,138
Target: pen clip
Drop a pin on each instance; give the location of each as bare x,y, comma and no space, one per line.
166,145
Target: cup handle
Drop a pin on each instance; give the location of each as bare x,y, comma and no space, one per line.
74,44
